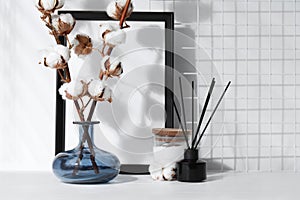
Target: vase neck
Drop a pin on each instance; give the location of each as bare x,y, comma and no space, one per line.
86,133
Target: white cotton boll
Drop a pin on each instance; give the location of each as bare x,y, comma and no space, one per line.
60,3
67,18
107,27
74,88
107,93
103,28
156,171
111,9
96,87
62,90
121,3
169,172
37,3
52,59
114,9
55,22
115,37
157,175
53,56
59,23
48,4
63,51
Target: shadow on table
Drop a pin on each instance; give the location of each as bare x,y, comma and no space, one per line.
215,170
122,179
118,180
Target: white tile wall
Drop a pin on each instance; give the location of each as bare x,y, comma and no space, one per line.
256,45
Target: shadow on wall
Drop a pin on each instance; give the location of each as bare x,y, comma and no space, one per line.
184,7
213,166
186,64
185,56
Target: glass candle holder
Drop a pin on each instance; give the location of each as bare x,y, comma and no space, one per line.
168,148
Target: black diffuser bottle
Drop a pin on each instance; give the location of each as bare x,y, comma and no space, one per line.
191,169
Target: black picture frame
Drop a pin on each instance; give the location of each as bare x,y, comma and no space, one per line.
168,19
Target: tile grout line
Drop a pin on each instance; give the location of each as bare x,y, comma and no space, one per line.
282,89
270,86
259,94
236,79
295,88
211,72
247,66
223,79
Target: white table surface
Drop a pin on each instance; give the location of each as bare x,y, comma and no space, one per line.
45,186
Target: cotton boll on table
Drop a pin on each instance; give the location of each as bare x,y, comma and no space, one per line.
165,158
169,172
162,173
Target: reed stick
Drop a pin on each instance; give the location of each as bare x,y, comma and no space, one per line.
182,103
192,110
203,111
180,122
123,16
211,116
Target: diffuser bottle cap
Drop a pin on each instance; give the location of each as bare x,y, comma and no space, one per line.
191,154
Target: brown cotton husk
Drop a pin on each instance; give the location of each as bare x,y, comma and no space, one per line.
100,97
101,74
103,34
107,64
108,72
105,72
84,46
64,28
117,71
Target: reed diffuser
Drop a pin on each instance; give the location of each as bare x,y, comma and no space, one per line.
191,169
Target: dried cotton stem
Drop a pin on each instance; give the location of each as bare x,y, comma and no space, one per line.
65,77
86,138
123,16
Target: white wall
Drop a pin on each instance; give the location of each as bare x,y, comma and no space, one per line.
27,102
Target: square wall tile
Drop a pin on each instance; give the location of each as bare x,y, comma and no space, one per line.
253,164
264,164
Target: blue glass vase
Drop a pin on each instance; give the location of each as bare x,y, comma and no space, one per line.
86,163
